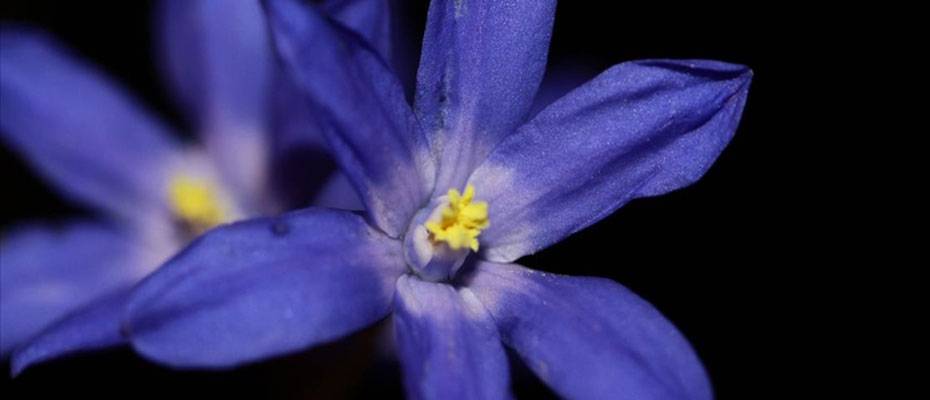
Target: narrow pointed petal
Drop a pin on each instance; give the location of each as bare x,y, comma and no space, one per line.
371,129
589,338
264,287
78,129
93,327
639,129
448,344
300,151
217,57
46,272
481,63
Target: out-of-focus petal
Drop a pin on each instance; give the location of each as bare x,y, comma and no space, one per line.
639,129
217,57
370,128
301,159
299,147
305,171
93,327
589,338
265,287
80,130
338,193
372,19
481,63
448,344
48,272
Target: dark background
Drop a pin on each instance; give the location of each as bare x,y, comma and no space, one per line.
729,260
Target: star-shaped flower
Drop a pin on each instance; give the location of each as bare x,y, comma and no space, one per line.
63,288
457,187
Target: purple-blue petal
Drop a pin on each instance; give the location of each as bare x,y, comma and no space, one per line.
264,287
93,327
447,343
372,19
218,60
481,63
300,155
337,192
300,151
369,127
639,129
589,338
48,272
79,129
217,56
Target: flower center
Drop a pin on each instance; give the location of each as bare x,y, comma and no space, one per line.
460,221
442,235
195,202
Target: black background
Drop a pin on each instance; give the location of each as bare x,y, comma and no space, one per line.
724,259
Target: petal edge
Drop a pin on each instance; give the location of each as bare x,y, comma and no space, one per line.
265,287
589,338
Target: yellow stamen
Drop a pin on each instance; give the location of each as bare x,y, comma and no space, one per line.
196,203
461,221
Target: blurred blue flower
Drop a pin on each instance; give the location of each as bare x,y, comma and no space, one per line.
99,147
456,188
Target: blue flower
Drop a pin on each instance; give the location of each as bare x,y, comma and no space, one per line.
456,188
102,149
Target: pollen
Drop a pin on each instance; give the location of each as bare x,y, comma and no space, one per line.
195,202
460,221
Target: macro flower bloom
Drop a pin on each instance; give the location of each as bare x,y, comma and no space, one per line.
456,188
102,149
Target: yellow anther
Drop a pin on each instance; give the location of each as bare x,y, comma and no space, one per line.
460,221
195,202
